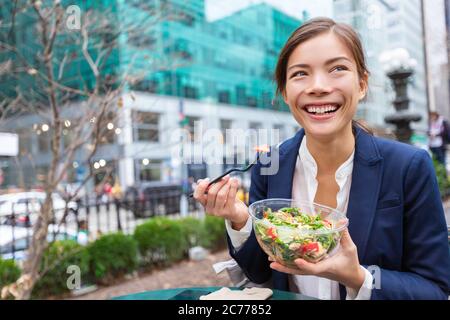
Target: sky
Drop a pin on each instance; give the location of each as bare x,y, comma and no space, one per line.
216,9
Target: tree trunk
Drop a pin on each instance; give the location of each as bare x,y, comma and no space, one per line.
30,274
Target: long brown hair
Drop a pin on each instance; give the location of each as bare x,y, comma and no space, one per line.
311,29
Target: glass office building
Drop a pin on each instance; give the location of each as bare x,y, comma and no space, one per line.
214,67
230,60
385,25
368,18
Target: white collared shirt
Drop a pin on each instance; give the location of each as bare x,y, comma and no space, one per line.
304,188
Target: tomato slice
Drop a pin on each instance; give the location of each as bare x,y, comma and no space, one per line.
312,246
272,232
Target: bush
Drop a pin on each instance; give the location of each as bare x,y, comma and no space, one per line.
55,261
111,256
216,232
9,272
195,232
161,241
442,179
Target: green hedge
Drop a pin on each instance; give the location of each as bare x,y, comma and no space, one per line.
111,256
216,232
161,241
9,272
56,259
195,232
442,179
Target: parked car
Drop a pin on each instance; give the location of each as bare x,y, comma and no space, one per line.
21,238
25,205
153,198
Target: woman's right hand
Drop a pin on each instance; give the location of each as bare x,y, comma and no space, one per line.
220,200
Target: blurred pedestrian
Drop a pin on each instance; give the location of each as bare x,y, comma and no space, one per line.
116,190
83,232
438,133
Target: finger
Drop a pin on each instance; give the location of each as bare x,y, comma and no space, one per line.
215,187
222,196
271,259
310,268
232,193
346,240
212,192
199,193
279,267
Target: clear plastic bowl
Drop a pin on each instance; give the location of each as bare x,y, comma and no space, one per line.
284,244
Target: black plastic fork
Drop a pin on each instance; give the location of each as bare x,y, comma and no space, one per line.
244,169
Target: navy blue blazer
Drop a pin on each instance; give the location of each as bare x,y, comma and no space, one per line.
395,213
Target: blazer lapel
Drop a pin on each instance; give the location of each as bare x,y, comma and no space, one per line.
364,192
280,184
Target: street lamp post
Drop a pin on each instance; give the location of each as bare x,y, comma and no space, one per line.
399,68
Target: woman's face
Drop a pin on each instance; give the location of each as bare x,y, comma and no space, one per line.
322,86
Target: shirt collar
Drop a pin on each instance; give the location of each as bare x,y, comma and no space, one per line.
310,164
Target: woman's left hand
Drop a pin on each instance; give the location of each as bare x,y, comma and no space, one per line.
343,267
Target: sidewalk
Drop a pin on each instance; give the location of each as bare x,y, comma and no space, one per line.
184,274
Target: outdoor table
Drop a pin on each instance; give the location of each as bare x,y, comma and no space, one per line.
189,294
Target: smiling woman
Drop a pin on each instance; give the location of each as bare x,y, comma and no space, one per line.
322,76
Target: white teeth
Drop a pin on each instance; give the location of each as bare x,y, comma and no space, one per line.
321,109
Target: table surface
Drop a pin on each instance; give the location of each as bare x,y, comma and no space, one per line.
193,294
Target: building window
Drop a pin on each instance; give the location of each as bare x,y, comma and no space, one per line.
146,126
44,142
190,92
186,19
24,141
141,41
251,102
107,134
146,86
103,174
68,135
255,125
191,122
281,131
41,174
266,100
225,125
224,97
149,170
240,95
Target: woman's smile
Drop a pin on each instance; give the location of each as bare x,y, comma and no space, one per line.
321,111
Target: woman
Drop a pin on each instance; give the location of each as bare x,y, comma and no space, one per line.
387,189
437,133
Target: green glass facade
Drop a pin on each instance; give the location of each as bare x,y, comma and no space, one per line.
175,51
230,60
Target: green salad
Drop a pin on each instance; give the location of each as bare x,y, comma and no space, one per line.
288,234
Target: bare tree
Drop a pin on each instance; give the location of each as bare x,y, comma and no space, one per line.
48,84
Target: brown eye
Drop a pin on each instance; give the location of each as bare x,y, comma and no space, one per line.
339,68
298,74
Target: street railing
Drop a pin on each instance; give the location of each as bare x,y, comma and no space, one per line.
87,221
